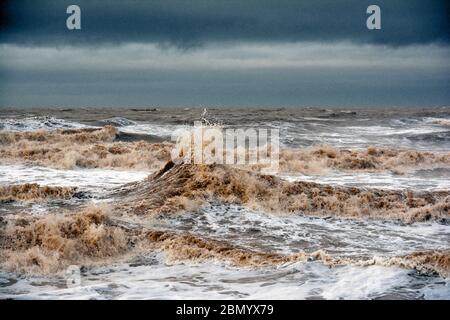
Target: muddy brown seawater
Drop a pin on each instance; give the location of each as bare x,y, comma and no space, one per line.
300,237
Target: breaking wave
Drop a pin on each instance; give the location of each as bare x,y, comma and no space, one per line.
83,148
442,122
33,191
118,122
100,148
183,187
38,122
79,136
319,160
173,212
48,245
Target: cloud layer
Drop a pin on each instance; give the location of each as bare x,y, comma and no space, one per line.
255,74
217,52
196,22
242,56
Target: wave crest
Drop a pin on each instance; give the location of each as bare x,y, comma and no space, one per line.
34,191
179,187
49,244
84,148
321,159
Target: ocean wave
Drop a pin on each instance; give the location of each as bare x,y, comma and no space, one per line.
362,133
365,198
129,130
82,148
151,129
147,277
352,238
184,187
141,128
50,244
320,159
118,122
84,135
38,122
442,122
96,182
103,148
432,179
437,137
123,125
34,192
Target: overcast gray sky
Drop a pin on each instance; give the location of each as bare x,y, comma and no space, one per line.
225,53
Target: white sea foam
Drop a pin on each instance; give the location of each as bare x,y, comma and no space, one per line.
422,133
92,180
123,124
292,233
431,179
38,122
156,280
165,131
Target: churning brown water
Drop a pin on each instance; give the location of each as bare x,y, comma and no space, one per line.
360,206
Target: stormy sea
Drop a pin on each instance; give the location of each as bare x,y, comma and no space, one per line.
93,206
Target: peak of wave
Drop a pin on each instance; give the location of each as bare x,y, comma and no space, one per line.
38,122
118,122
185,187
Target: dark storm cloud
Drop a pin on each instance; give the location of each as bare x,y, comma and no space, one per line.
196,22
240,53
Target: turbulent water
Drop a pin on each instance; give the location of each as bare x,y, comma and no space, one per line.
359,208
